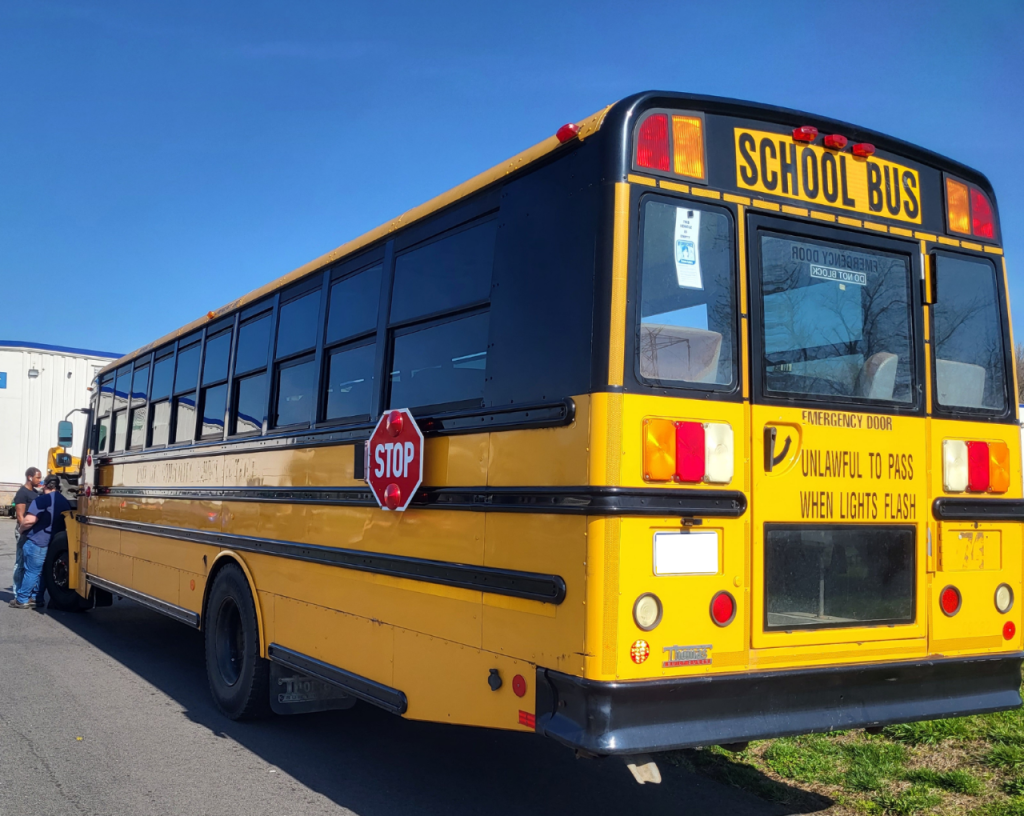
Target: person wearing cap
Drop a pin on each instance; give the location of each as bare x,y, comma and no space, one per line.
43,520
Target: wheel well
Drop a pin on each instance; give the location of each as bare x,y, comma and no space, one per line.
222,560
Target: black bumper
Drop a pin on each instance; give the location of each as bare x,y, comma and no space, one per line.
686,712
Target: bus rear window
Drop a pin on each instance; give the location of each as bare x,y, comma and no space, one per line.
970,366
836,322
688,297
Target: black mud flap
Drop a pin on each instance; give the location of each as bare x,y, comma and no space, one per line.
294,693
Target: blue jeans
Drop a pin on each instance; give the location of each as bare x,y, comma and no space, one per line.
19,562
34,558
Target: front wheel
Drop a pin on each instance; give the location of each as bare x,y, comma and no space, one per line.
239,678
56,569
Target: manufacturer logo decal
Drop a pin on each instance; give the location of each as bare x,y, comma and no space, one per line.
639,651
686,656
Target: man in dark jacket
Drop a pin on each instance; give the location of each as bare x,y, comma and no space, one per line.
43,521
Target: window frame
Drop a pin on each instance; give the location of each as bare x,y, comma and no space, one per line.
731,392
320,282
213,332
757,225
158,357
114,412
148,358
184,344
258,311
1009,412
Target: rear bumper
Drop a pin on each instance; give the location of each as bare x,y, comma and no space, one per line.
660,715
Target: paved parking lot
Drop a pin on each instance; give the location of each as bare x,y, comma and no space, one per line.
107,712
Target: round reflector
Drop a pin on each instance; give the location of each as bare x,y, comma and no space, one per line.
519,685
950,601
1004,598
1009,630
647,611
723,609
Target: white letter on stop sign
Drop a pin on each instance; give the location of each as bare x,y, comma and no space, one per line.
410,451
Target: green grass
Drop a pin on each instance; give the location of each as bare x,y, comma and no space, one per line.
915,799
957,781
930,733
1010,757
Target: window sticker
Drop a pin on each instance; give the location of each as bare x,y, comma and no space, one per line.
687,244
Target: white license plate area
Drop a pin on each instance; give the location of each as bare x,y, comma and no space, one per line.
695,553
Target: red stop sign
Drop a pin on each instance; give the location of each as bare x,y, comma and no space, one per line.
395,466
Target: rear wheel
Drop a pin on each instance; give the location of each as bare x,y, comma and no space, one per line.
238,676
56,570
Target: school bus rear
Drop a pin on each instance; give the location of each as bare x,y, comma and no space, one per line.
809,371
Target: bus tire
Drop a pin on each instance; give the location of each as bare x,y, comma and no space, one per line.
239,678
56,569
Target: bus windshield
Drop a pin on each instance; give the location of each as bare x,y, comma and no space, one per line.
836,321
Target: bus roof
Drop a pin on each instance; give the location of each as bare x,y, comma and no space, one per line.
619,116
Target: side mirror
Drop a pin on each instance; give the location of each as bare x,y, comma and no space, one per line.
65,434
62,460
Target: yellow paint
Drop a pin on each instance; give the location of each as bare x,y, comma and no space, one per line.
969,245
735,199
925,236
765,205
820,216
876,227
994,250
794,210
635,179
948,241
620,268
702,193
1009,320
671,185
901,231
824,177
850,222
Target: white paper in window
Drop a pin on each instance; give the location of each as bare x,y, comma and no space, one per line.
687,246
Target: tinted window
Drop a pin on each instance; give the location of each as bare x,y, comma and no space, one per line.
121,387
297,325
295,394
106,395
104,435
162,373
352,308
440,364
214,403
137,435
688,296
140,382
250,404
215,364
445,274
185,419
120,430
161,423
350,382
837,321
188,368
970,369
253,343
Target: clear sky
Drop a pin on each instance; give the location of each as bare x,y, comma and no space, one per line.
160,160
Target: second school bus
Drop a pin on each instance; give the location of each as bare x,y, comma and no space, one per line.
720,444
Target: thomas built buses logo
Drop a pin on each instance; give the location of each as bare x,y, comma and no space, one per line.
686,656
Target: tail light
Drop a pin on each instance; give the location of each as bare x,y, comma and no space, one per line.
688,451
723,609
672,143
968,210
652,143
1009,630
977,467
950,601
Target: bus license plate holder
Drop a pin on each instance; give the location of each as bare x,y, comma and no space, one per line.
292,692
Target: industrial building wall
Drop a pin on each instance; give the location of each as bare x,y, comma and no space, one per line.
31,406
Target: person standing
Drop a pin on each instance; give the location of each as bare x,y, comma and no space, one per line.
26,494
44,520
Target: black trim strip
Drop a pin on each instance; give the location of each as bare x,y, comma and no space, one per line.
585,500
530,585
370,691
949,509
157,605
525,417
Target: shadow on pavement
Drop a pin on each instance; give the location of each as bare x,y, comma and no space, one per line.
375,763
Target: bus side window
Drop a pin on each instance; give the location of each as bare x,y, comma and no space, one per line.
160,398
137,405
103,413
122,385
294,360
441,360
249,386
352,313
215,384
186,378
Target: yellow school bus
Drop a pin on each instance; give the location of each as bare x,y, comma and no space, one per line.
721,444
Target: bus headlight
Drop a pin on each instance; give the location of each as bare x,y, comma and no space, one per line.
647,611
1004,598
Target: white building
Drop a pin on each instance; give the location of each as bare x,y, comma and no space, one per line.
39,386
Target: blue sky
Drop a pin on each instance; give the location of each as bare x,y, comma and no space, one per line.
159,160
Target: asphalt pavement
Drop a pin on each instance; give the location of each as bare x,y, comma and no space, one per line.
108,712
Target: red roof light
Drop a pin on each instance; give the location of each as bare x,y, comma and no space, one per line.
567,133
807,133
835,141
863,149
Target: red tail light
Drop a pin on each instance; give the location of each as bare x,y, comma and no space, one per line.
1009,630
690,451
863,149
950,601
835,141
652,143
982,220
528,719
723,609
88,491
977,467
88,460
807,133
